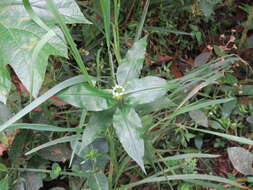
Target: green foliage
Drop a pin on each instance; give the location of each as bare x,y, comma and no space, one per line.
142,106
27,44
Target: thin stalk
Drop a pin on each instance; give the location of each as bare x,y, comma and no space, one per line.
98,64
113,155
143,17
70,40
105,6
81,122
116,30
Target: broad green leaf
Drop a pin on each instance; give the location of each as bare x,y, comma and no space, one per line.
33,180
56,171
98,123
145,90
127,125
5,113
21,35
56,153
4,185
84,96
207,6
98,144
92,157
5,82
199,117
131,65
157,105
98,181
241,159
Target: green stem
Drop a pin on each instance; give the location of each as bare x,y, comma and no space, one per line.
70,40
113,156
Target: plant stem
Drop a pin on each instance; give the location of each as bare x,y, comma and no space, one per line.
113,155
70,40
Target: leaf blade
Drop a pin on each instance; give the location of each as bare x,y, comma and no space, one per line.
126,123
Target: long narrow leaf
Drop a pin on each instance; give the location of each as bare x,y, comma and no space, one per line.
41,99
182,177
54,142
43,127
229,137
70,40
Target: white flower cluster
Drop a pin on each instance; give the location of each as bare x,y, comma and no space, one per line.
117,91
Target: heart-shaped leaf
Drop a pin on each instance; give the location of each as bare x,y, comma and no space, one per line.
131,65
241,160
84,96
145,90
127,125
21,37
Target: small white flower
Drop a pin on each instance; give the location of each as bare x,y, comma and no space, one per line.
118,91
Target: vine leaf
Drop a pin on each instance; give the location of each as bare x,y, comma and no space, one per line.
127,125
21,37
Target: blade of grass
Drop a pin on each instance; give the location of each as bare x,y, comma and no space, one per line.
43,127
229,137
116,30
143,17
54,142
81,122
70,40
187,156
106,10
162,30
41,99
181,177
191,107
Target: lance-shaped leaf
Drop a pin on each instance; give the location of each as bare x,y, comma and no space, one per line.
84,96
21,36
5,83
131,65
127,125
98,123
145,90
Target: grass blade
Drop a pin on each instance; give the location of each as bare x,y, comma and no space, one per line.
70,40
182,177
41,99
229,137
43,127
54,142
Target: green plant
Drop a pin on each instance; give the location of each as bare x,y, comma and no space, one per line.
114,108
